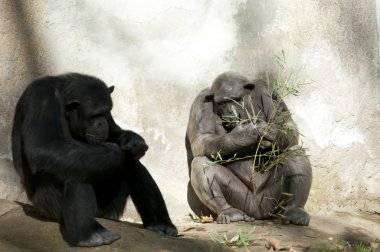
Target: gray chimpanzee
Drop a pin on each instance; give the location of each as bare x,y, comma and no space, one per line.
233,190
76,163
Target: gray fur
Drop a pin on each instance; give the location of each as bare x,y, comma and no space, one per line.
232,191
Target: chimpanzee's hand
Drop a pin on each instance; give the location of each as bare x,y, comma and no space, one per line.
244,134
269,132
133,143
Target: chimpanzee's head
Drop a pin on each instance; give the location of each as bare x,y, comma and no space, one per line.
88,105
227,93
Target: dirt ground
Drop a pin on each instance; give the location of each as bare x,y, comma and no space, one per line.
336,231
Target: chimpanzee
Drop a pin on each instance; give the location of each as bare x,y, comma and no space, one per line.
76,163
232,126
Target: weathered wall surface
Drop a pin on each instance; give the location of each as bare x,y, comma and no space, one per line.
160,54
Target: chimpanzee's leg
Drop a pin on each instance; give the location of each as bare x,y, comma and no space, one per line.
195,204
284,190
220,190
47,196
111,196
148,199
78,211
297,182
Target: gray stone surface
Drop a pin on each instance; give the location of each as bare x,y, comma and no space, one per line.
160,57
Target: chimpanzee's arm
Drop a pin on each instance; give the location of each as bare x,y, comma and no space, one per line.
281,128
132,143
288,134
71,159
202,136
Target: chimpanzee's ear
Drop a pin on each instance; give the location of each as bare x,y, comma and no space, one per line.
71,105
111,88
209,98
250,86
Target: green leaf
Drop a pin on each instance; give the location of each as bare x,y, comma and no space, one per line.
234,111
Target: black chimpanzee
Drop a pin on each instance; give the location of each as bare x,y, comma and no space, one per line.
76,163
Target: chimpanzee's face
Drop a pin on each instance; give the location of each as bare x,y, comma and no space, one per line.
228,97
88,118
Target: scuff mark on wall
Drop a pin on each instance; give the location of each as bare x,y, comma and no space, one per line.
160,136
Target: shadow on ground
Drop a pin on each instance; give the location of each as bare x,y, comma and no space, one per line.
22,231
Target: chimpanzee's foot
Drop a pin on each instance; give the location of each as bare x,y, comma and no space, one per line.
108,237
164,228
297,216
232,215
98,238
94,240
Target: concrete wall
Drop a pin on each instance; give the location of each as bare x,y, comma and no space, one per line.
160,54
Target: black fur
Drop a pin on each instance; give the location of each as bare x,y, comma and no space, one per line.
76,163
